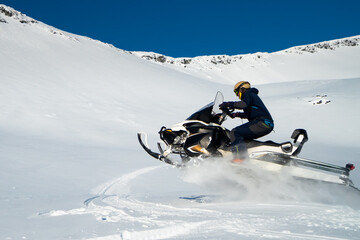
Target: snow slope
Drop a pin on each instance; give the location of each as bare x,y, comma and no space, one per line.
71,166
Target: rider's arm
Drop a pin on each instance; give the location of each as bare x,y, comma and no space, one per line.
238,114
240,105
245,102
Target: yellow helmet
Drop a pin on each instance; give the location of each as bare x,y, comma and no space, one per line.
241,87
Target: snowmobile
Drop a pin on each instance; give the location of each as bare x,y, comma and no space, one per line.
202,136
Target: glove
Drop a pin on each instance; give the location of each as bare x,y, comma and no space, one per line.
216,118
225,105
234,115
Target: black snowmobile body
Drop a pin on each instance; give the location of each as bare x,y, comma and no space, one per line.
201,136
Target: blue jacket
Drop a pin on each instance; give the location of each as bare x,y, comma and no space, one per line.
253,106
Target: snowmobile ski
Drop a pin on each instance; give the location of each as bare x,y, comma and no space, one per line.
158,156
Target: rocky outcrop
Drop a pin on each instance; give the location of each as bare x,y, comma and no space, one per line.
9,12
227,60
328,45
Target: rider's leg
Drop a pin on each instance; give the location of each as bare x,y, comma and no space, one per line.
248,131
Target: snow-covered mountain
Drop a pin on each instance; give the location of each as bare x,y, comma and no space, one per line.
309,62
71,166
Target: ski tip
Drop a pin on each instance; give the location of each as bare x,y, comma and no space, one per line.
350,166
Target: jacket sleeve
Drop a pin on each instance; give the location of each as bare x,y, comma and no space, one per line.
240,105
241,115
245,102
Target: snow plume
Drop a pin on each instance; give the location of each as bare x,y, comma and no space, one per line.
246,182
236,182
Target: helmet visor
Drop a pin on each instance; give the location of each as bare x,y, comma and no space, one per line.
236,91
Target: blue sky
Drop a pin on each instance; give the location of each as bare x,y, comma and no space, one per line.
191,28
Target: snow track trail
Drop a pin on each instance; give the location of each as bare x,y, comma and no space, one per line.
175,216
123,181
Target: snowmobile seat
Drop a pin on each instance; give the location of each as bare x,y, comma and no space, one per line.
285,146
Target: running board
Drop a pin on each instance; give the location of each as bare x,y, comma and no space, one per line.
310,167
292,160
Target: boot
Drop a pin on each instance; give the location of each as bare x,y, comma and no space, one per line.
239,153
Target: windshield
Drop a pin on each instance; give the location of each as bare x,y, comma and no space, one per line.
207,113
219,99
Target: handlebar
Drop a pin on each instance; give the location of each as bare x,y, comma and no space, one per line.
225,112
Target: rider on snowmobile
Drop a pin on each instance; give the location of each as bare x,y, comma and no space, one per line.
260,122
